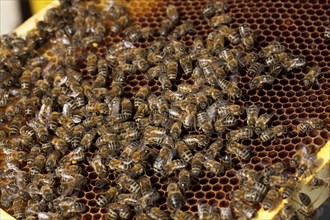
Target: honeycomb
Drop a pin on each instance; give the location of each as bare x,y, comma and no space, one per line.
299,25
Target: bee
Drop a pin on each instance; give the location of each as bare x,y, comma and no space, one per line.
186,65
196,140
117,164
116,10
208,71
120,24
262,121
275,181
52,160
271,199
174,196
231,62
276,168
165,156
171,68
204,211
98,166
307,125
172,13
71,206
294,63
255,69
204,123
157,213
47,193
107,196
176,129
92,62
126,182
238,150
318,181
19,208
197,164
182,30
327,33
230,34
165,28
214,149
288,212
147,32
133,33
174,165
213,166
219,20
183,151
289,187
229,88
222,124
246,35
247,194
165,81
273,48
178,215
243,209
273,132
184,179
226,213
38,164
248,59
258,81
305,199
276,69
312,76
243,133
26,81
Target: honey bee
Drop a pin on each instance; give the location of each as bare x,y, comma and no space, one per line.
186,65
204,211
243,133
107,197
183,151
312,76
238,150
98,166
178,215
204,123
184,179
229,88
157,213
174,165
244,209
273,132
248,195
231,62
165,81
208,71
116,10
127,183
214,149
230,34
38,164
172,13
226,213
319,181
182,30
47,193
288,212
166,26
247,36
220,20
165,156
289,187
174,196
196,140
307,125
26,81
52,161
71,206
92,62
133,33
261,123
171,68
222,124
273,48
147,32
271,199
121,23
258,81
294,63
15,126
213,166
275,181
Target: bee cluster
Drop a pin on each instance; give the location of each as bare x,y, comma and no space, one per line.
77,140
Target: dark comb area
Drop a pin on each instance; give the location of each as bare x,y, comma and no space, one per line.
83,168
